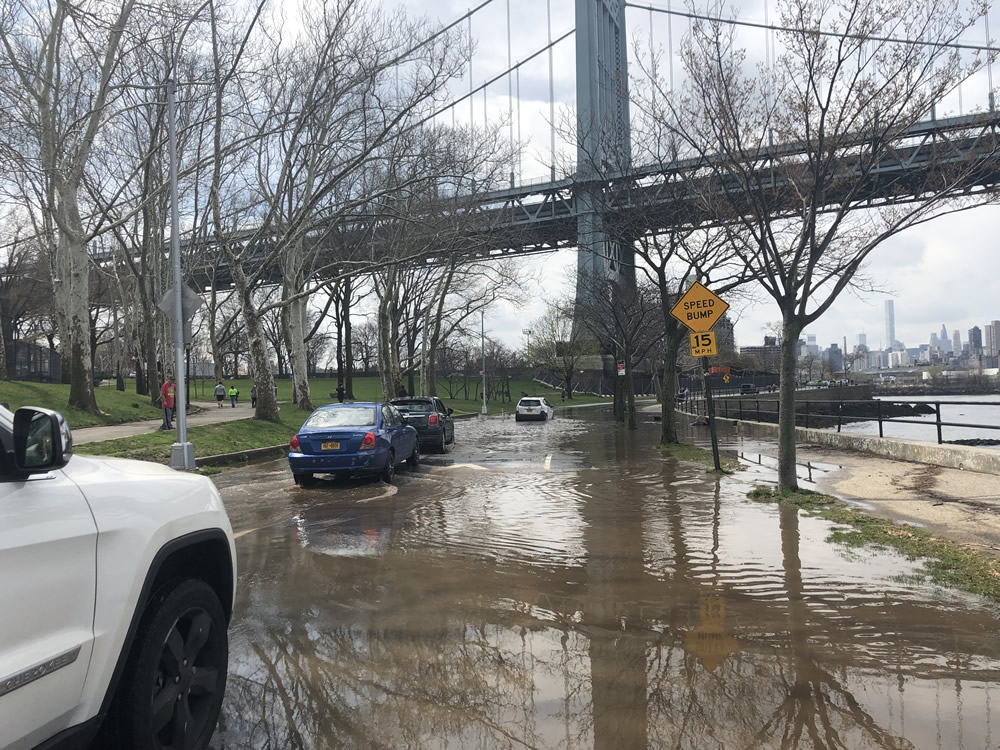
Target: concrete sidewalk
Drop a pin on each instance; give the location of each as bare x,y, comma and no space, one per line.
210,414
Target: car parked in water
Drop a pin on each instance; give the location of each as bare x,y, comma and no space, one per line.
116,584
362,438
431,419
533,408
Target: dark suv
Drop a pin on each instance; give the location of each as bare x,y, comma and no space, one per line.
433,422
747,389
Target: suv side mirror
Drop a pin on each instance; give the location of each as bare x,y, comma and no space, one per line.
450,412
42,440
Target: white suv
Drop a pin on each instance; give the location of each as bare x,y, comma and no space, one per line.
533,407
116,589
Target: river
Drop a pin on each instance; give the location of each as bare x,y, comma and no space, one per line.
923,427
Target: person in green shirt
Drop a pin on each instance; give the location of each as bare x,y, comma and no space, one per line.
233,395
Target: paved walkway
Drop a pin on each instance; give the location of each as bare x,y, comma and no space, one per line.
209,414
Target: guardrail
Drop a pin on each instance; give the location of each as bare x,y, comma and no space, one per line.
827,414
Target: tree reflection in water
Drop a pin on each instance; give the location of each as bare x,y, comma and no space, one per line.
425,637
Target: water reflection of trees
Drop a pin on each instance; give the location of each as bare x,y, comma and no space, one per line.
435,647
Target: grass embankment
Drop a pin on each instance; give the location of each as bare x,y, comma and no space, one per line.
945,562
208,440
117,406
697,454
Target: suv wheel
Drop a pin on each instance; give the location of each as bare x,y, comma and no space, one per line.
443,445
390,468
175,678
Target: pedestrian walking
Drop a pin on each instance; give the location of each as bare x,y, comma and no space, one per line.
167,403
253,396
340,392
220,393
233,395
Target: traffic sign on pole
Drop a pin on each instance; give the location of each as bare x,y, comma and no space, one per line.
621,369
699,309
703,344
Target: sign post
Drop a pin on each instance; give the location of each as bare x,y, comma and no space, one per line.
699,309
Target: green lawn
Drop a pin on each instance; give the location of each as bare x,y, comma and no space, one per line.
117,406
208,440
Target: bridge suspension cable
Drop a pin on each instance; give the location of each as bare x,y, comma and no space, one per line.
486,84
819,32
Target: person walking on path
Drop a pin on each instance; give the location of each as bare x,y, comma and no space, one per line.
253,396
233,395
340,392
220,393
167,403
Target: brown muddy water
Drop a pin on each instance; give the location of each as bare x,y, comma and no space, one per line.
563,585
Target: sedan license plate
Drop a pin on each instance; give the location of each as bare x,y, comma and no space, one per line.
529,410
331,445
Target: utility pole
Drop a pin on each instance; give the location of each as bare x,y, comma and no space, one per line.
181,452
482,341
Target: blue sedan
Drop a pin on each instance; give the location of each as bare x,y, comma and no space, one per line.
358,438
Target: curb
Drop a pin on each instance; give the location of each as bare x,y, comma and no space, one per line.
242,457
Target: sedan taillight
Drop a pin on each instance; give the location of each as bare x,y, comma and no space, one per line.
368,442
432,419
295,443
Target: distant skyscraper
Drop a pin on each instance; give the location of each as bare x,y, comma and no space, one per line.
935,344
862,339
990,338
944,338
890,325
975,341
956,342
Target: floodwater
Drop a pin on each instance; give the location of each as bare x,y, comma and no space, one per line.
562,585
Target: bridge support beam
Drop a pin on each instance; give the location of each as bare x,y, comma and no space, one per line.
604,144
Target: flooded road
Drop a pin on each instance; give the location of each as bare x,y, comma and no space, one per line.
562,585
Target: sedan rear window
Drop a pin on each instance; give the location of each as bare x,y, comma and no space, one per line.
351,416
416,406
530,402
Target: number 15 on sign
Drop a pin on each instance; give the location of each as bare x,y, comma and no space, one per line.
703,344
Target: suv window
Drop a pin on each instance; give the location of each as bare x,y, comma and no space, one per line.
531,402
439,405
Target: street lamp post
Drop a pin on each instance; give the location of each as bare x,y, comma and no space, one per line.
181,452
482,340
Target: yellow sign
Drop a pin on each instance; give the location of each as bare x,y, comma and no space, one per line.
699,309
710,641
703,345
725,378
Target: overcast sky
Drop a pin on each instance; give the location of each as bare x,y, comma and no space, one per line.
945,272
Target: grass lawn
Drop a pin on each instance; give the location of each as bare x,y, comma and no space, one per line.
118,406
208,440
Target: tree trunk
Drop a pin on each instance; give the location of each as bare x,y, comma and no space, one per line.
668,389
293,315
345,318
787,478
388,356
81,389
630,415
3,356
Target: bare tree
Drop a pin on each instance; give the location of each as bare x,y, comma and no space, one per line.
558,345
840,95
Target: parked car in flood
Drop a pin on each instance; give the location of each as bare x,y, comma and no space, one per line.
431,419
352,439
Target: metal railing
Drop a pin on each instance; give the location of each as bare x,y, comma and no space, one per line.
830,414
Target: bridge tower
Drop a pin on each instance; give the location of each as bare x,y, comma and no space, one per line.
604,143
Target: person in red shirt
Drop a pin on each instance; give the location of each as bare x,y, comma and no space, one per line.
167,403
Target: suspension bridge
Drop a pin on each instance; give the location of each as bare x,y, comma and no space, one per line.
601,210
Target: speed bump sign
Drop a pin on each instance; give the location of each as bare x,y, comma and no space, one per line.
699,309
703,344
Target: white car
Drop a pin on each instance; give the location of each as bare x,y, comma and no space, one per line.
533,407
116,589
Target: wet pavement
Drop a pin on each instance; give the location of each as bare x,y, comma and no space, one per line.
562,585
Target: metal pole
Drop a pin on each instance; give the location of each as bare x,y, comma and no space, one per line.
937,412
181,452
482,340
710,409
552,95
